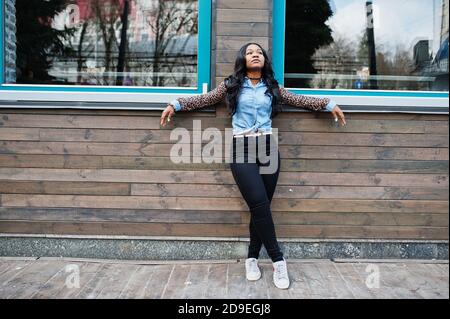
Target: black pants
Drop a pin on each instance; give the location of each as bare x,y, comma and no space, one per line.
257,188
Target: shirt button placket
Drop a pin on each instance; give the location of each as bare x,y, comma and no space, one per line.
254,105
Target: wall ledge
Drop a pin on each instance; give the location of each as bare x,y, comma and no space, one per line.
200,248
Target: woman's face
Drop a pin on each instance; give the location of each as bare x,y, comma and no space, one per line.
254,57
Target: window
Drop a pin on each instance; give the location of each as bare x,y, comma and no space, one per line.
360,48
138,46
355,44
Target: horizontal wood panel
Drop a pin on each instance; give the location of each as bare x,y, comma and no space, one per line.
224,56
362,139
372,166
217,190
150,149
231,191
224,69
254,29
225,230
79,121
19,134
135,122
286,115
163,136
358,219
196,163
124,215
55,187
218,217
236,42
364,116
243,4
192,203
363,126
239,15
222,177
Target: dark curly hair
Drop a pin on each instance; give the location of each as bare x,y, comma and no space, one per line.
234,82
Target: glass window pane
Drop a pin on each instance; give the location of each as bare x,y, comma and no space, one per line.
103,42
359,44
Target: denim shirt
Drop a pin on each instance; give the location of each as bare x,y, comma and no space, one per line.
253,110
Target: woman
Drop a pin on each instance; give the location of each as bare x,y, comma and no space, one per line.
253,98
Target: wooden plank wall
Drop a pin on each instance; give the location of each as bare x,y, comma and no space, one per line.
109,172
97,172
237,23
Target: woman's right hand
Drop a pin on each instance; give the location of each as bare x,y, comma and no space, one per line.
167,114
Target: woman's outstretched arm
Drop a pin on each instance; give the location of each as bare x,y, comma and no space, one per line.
193,102
306,102
312,103
199,101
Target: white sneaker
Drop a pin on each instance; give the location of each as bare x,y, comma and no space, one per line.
251,269
280,274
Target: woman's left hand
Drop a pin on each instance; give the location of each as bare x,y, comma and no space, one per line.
338,114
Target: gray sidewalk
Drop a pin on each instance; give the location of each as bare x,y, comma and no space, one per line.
88,278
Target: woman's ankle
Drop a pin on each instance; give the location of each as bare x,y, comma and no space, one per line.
274,260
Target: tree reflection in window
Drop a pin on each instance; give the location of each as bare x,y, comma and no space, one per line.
365,44
107,42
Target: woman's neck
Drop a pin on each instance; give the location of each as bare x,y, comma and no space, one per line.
254,75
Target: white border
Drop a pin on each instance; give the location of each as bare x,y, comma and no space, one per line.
374,101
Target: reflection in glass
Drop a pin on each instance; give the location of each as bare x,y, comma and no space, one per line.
107,42
360,44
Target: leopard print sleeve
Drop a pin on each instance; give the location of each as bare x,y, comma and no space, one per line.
306,102
199,101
